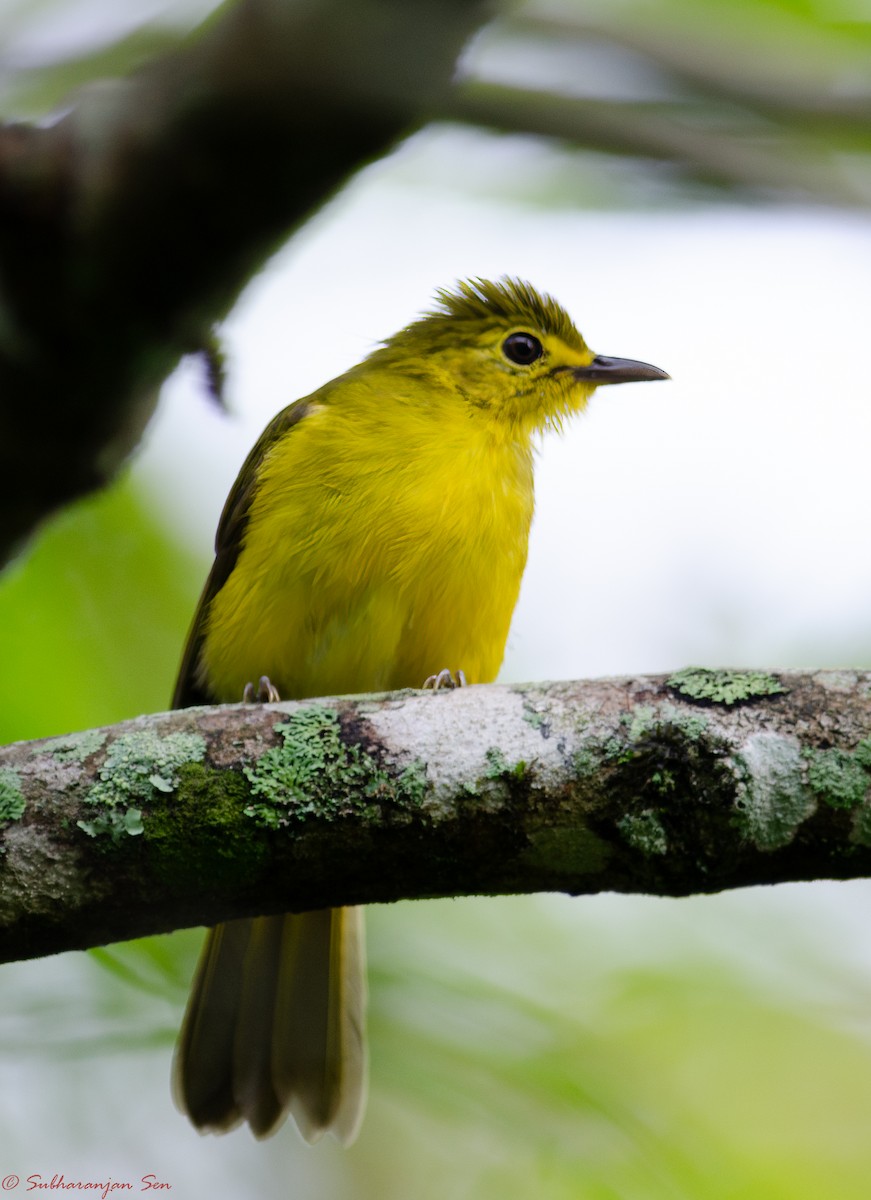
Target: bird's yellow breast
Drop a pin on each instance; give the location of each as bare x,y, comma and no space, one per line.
386,539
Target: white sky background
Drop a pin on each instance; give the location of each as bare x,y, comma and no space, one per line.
721,518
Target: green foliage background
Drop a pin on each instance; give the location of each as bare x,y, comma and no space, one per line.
90,618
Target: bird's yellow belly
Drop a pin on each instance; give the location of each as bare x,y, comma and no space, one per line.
332,604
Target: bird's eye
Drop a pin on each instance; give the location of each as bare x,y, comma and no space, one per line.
522,348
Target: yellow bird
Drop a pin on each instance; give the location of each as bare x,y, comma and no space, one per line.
377,533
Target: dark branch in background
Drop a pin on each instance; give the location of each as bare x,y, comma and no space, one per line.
663,133
708,118
130,225
705,781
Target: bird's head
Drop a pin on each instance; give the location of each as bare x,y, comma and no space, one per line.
514,355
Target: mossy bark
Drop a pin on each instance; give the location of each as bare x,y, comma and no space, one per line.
630,785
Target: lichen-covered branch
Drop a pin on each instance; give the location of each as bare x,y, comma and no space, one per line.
694,783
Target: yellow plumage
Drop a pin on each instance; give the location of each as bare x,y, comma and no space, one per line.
377,533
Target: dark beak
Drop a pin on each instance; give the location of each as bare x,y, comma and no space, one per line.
617,370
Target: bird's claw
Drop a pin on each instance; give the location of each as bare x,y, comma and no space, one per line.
445,679
267,692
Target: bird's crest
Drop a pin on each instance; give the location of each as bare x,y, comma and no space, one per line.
511,300
476,303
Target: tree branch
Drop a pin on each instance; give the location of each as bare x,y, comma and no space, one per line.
697,783
688,140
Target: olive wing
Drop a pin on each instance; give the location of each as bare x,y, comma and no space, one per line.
189,689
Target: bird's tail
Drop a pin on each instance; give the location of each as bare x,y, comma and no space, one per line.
275,1024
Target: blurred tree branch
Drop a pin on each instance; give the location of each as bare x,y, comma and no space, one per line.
129,225
705,781
663,133
770,128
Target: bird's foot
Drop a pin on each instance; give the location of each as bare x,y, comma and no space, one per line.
445,679
266,693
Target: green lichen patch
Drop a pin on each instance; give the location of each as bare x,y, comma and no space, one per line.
646,720
137,766
313,773
587,763
497,763
861,831
12,801
706,686
498,766
413,782
663,781
117,823
772,798
838,777
74,747
639,723
644,831
638,731
863,753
